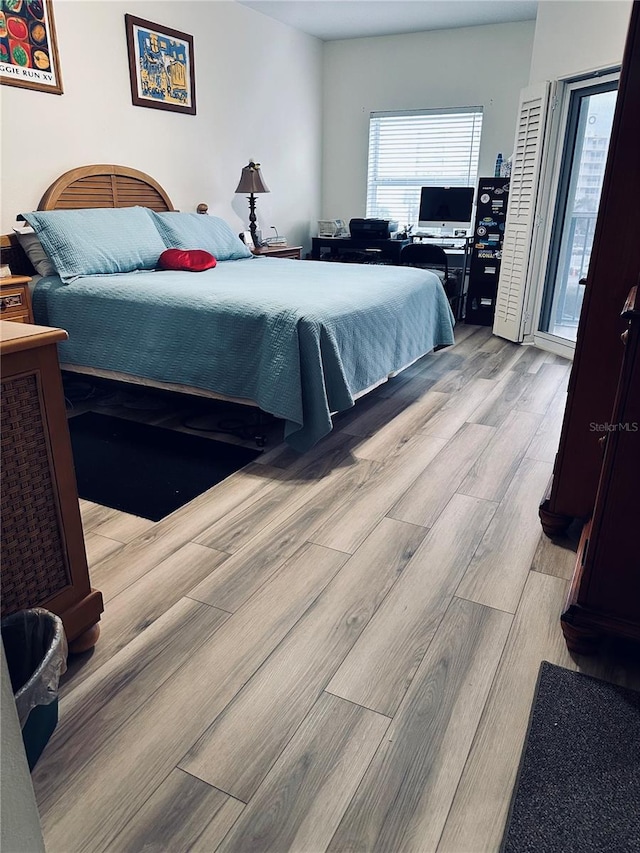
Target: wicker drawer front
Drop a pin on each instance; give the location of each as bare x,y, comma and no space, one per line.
34,565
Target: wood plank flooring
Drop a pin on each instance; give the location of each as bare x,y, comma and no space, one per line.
329,652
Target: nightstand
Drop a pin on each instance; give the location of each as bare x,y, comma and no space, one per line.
15,299
279,252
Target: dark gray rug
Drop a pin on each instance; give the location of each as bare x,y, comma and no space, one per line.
578,787
147,470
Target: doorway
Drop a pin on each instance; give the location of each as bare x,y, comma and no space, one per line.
582,166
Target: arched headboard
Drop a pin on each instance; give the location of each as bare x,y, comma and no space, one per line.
105,186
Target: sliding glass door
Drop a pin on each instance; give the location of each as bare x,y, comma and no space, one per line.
586,142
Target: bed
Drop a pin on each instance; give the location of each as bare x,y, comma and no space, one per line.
300,339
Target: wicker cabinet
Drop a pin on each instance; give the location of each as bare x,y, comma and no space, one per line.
43,556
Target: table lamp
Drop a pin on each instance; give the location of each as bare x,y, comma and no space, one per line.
251,182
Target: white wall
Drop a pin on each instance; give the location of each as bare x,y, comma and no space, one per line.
19,823
471,66
574,36
258,92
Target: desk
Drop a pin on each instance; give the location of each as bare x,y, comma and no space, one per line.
456,258
455,254
386,251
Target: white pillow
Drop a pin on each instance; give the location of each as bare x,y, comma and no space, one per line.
34,250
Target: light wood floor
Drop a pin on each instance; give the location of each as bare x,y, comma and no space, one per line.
336,651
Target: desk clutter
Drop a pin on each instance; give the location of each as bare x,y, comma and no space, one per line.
472,263
373,229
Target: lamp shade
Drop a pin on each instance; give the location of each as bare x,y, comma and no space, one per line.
251,180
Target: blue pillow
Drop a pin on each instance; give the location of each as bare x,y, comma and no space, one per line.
200,231
98,241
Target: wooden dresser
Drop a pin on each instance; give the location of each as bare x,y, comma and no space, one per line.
596,475
605,592
613,271
43,556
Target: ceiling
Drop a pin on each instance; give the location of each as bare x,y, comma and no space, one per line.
343,19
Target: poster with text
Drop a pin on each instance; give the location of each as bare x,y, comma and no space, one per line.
28,47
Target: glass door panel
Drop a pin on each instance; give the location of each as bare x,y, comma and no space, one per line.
582,173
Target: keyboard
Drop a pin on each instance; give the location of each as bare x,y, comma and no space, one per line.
439,241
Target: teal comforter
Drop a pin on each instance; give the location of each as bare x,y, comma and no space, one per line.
300,339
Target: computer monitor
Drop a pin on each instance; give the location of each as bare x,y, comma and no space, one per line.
446,208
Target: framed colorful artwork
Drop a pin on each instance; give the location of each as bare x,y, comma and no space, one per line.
28,46
161,67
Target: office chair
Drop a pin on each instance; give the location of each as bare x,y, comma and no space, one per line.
429,256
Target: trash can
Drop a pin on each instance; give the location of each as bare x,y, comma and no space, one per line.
36,650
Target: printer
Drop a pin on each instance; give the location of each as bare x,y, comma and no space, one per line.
372,229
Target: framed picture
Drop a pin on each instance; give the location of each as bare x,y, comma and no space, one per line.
247,239
161,67
28,46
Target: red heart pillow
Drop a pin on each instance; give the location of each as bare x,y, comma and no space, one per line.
193,260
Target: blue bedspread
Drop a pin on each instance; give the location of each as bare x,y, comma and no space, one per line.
301,339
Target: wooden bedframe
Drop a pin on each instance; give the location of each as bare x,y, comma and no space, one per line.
109,186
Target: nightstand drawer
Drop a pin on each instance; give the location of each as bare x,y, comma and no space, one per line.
12,301
15,301
14,307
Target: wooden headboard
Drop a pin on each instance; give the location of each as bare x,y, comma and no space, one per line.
105,186
90,186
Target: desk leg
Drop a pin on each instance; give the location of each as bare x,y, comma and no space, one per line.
464,284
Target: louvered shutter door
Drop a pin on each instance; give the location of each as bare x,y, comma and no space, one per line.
523,192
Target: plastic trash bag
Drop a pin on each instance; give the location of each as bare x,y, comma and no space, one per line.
36,649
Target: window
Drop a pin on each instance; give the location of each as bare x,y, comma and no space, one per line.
409,150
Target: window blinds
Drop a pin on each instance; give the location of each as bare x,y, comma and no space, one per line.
413,149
